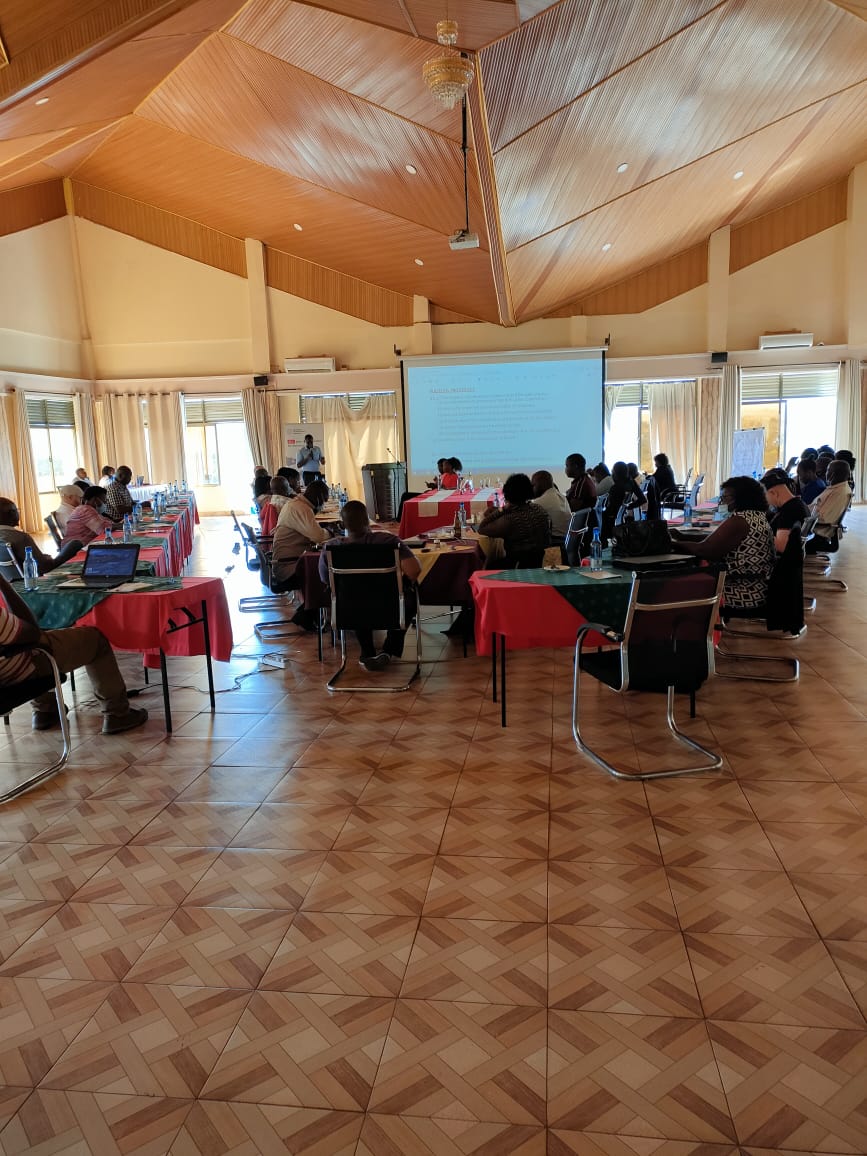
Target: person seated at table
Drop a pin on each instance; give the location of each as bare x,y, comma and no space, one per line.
71,648
19,541
70,499
269,512
822,463
358,532
830,506
849,458
581,494
87,522
787,508
293,477
261,489
810,485
437,482
106,476
449,479
523,526
118,499
743,542
555,505
623,492
663,475
296,530
635,473
602,477
81,479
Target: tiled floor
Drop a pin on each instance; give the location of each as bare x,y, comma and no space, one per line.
384,925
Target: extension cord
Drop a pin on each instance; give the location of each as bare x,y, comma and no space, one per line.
276,660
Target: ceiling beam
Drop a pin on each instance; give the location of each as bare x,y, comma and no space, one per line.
484,154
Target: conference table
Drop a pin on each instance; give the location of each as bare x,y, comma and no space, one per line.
167,542
438,508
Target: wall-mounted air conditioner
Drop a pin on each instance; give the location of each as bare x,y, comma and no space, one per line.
309,365
786,341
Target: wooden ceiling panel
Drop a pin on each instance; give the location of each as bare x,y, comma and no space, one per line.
24,208
239,98
25,23
376,64
687,110
203,16
479,21
19,148
33,175
386,13
856,7
52,145
66,160
150,163
527,9
574,45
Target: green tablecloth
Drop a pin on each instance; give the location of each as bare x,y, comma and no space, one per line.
144,569
603,601
55,609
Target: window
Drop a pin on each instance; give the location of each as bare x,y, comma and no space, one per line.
217,450
355,401
796,408
628,438
52,437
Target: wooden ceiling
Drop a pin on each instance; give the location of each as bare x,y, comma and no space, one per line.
250,118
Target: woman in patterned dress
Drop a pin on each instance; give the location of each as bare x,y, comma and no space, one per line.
743,543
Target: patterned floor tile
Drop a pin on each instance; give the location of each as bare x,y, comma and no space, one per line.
403,750
634,1075
832,848
794,1087
589,792
231,785
367,883
617,970
312,785
603,838
478,961
719,796
797,765
409,787
727,843
246,878
212,947
609,895
737,902
24,819
763,979
11,1100
335,954
492,791
498,751
102,821
88,941
565,1143
195,825
38,1018
81,1122
50,871
164,783
814,802
150,1041
513,834
463,1061
266,1130
850,958
293,826
19,919
309,1051
483,888
395,829
416,1136
159,875
346,749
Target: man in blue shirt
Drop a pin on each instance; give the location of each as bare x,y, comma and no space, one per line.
309,461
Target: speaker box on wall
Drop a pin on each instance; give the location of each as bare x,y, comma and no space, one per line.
719,358
260,379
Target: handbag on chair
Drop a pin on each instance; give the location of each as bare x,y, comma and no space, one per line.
634,539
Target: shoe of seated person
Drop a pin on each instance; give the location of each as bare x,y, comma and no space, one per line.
115,724
375,661
46,720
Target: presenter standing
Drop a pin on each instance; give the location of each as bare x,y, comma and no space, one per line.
309,461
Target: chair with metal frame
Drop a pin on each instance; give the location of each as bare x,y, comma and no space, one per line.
368,593
278,598
676,499
579,525
13,695
247,543
819,565
10,567
53,529
665,645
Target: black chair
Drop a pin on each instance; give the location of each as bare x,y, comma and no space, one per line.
573,546
15,694
676,499
248,539
10,567
368,593
277,596
818,564
665,645
53,529
524,559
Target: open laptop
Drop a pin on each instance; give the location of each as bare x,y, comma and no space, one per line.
108,566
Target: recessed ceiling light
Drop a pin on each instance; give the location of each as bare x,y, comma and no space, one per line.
419,261
411,169
606,246
300,228
43,100
622,168
738,175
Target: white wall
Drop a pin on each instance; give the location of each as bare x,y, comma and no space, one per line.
302,328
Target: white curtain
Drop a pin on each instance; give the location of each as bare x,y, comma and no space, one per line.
21,478
166,437
104,429
255,419
276,455
707,452
672,423
85,434
353,438
729,417
611,395
849,435
129,437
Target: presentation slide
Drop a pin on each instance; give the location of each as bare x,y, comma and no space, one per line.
503,413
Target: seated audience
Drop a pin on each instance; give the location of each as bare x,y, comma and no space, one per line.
261,486
19,540
449,479
118,500
77,646
81,479
279,496
822,463
635,473
581,494
623,492
523,527
107,475
743,542
663,475
436,482
87,522
358,532
293,477
830,506
603,479
786,508
809,484
849,458
809,452
555,505
70,499
296,530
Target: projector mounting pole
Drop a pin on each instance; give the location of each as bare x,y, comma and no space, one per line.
464,151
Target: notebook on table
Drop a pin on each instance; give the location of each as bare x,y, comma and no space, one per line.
108,566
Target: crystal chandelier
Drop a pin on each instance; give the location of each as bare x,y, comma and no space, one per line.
450,74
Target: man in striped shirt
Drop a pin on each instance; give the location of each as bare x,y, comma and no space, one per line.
78,646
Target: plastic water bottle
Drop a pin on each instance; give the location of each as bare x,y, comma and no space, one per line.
184,486
127,529
109,537
463,516
687,513
596,551
31,570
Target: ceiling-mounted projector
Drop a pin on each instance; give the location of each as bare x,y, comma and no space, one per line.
464,239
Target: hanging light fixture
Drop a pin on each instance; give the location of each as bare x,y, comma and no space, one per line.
450,74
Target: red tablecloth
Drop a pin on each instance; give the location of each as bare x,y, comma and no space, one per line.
529,616
414,519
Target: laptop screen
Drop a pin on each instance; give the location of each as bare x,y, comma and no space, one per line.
111,561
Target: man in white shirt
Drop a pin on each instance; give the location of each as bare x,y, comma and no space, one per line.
555,505
310,461
70,500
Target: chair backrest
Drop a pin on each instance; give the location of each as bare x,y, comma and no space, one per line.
808,525
579,526
366,587
686,479
237,523
525,559
53,529
601,503
668,636
785,604
580,520
10,567
696,488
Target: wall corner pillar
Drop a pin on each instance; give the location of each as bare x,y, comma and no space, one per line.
718,257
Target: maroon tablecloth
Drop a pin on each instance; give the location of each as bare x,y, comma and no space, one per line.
415,520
